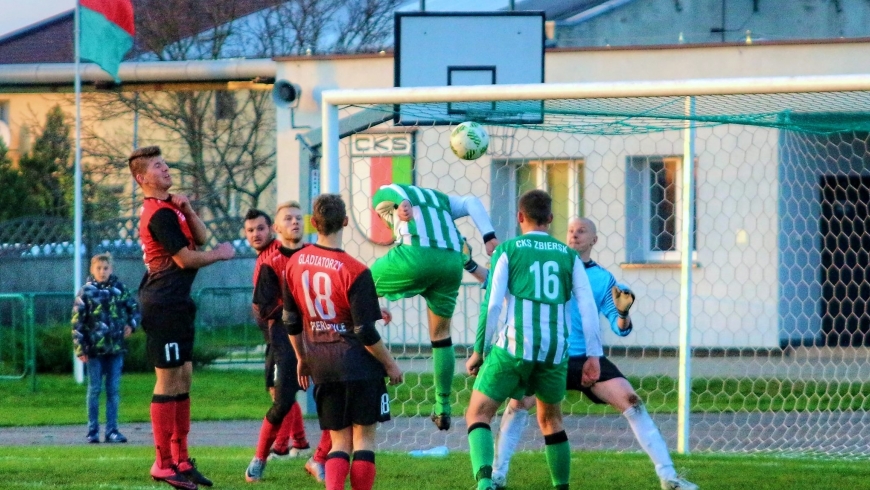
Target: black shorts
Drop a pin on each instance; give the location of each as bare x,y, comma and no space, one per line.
346,403
169,333
281,361
575,373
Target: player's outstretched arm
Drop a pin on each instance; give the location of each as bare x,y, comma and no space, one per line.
197,259
461,206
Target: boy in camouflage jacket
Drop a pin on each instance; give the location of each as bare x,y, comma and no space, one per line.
104,314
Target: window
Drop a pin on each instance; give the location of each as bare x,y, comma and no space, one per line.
563,179
654,208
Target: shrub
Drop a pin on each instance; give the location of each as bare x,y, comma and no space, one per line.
54,351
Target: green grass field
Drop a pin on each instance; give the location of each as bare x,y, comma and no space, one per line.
126,467
239,395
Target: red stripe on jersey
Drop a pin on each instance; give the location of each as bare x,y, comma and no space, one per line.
264,257
156,257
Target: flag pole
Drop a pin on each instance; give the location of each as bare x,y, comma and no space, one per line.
78,367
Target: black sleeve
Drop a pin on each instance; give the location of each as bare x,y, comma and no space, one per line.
165,229
266,294
291,317
364,308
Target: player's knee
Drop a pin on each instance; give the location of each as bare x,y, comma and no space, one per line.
280,409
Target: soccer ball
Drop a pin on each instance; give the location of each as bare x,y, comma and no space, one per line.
469,141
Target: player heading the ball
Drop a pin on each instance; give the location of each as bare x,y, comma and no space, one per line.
428,261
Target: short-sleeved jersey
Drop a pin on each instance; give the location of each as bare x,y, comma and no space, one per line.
432,225
331,293
263,257
533,277
268,300
164,231
602,282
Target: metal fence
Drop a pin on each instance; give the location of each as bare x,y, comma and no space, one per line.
17,338
224,322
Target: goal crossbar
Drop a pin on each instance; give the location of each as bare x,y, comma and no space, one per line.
332,99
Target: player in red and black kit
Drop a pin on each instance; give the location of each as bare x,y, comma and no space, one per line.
330,308
281,380
170,231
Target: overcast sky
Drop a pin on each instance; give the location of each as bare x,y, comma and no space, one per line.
15,14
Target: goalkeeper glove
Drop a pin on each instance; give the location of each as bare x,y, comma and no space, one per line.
470,264
623,298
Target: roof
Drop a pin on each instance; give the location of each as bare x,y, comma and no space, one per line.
559,9
47,41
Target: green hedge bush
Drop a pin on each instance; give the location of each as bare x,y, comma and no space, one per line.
54,351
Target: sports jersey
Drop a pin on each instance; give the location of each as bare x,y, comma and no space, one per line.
433,215
602,282
532,277
263,257
268,273
330,293
164,231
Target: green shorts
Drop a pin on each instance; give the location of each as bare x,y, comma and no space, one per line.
503,376
433,273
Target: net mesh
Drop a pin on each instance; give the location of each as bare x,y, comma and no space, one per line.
780,284
823,112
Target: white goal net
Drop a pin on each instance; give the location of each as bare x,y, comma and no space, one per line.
780,272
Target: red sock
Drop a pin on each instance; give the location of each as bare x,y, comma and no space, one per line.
182,428
267,437
323,447
282,438
337,467
362,471
297,426
162,422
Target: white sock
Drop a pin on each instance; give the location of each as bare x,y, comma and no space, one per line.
513,422
650,439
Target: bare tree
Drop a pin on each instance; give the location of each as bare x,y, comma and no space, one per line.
225,140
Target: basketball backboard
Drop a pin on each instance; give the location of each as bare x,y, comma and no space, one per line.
436,49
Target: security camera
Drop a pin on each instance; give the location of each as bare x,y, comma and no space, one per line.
286,94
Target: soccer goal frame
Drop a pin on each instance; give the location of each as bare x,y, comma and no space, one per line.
690,89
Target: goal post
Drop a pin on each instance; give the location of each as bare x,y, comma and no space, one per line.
804,115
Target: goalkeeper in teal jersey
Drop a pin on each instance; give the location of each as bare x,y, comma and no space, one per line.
428,261
613,301
532,278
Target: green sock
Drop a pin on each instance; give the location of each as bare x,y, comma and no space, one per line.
444,360
558,458
480,445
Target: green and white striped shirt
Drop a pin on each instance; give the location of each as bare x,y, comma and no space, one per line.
433,215
532,278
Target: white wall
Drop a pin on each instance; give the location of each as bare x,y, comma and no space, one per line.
737,283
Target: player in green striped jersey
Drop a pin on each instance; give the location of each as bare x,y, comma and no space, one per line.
532,277
428,261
